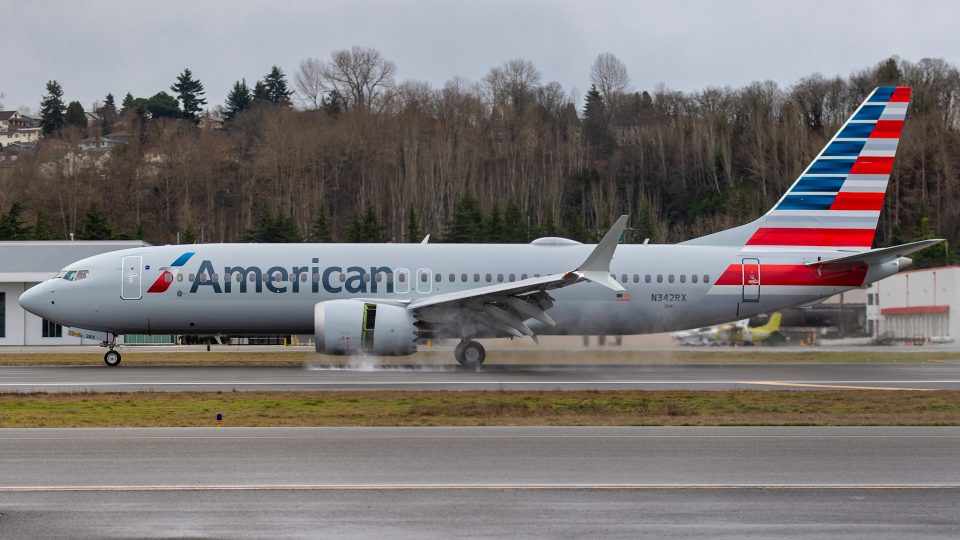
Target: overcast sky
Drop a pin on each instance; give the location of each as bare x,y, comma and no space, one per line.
99,46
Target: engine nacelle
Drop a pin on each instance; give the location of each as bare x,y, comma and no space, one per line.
357,327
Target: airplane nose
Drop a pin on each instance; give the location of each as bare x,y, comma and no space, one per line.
34,299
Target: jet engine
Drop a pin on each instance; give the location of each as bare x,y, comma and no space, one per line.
355,327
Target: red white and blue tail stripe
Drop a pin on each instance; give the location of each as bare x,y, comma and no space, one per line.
836,201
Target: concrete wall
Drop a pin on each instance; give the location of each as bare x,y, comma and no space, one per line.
927,287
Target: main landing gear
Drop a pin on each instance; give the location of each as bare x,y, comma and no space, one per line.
470,354
112,357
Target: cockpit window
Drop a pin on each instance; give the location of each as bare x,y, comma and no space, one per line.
74,275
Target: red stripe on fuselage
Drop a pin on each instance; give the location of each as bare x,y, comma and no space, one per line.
872,165
784,236
855,200
851,275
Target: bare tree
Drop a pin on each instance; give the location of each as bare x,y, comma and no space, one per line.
360,75
609,75
310,83
513,81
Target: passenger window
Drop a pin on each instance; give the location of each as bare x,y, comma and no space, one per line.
488,278
513,277
476,278
523,276
683,278
693,278
659,278
402,277
452,278
636,278
253,277
646,278
625,279
706,278
536,275
463,278
438,278
499,278
670,278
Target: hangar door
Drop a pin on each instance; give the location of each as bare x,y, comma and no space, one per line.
131,272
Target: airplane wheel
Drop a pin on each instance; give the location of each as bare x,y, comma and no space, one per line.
111,358
470,354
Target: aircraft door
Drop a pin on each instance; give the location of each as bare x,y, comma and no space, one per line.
132,271
750,269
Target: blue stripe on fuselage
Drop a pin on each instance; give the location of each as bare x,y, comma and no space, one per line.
182,260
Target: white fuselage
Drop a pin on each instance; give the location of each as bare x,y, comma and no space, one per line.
668,287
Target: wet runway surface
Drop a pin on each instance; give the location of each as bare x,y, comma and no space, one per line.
480,482
649,377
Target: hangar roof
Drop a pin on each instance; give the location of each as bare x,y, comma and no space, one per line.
32,261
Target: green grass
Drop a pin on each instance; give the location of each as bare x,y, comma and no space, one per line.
450,408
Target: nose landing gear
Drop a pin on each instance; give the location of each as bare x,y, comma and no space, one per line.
112,356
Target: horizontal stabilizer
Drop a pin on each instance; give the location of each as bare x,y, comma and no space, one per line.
882,254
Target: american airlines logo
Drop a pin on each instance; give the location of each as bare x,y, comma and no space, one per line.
279,279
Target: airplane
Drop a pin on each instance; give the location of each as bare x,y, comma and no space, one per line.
736,333
385,299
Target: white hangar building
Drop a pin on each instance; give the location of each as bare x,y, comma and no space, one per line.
23,265
916,305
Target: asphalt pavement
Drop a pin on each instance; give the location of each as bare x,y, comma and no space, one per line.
480,482
774,376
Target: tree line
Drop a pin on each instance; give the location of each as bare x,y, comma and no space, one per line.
347,152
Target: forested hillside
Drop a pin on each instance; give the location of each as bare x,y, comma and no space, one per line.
344,151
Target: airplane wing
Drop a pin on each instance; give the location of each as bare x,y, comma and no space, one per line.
502,309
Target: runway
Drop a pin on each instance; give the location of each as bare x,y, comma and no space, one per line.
911,376
480,482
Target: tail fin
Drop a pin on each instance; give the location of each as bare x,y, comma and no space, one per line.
836,201
774,323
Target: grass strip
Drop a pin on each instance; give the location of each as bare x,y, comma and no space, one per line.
494,357
476,408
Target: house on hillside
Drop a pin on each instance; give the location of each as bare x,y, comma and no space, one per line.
17,129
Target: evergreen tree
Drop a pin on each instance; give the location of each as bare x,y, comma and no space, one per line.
108,114
277,89
95,226
515,225
493,230
365,228
190,93
934,255
414,233
889,72
274,229
127,103
12,226
319,230
466,224
238,100
41,228
52,109
595,123
76,117
162,105
260,93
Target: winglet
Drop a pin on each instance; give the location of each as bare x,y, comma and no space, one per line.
426,239
596,267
